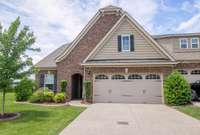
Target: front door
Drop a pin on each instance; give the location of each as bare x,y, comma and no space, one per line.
77,86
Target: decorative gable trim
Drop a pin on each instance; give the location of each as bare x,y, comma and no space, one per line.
141,30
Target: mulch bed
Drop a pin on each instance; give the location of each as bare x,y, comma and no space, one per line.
9,116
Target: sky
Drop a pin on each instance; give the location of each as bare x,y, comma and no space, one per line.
57,22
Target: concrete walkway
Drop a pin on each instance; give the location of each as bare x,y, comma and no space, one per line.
132,119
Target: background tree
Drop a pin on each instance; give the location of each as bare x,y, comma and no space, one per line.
14,62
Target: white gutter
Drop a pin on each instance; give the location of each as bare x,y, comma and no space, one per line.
129,64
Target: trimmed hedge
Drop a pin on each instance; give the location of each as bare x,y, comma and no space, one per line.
42,95
60,98
63,85
176,89
45,95
88,90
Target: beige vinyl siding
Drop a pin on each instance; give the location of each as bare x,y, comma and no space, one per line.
172,45
143,48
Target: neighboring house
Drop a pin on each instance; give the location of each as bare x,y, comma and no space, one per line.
123,61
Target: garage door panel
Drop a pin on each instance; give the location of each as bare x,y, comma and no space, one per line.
128,91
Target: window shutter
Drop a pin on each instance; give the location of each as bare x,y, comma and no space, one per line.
119,43
41,80
55,82
132,43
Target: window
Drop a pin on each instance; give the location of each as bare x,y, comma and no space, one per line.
49,81
152,76
125,43
195,72
195,43
135,77
183,43
118,77
101,77
183,72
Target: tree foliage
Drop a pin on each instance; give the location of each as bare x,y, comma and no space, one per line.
176,89
63,86
14,62
88,90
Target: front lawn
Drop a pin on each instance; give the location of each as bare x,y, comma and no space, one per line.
37,120
193,111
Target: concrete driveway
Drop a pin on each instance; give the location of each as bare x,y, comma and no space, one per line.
132,119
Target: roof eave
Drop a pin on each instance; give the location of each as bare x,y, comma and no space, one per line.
150,64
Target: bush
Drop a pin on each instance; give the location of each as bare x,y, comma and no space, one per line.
42,95
60,98
63,85
24,89
176,89
88,90
48,96
37,96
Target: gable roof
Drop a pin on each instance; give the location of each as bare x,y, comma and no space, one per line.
145,33
50,60
86,29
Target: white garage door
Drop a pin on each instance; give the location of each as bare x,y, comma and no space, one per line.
132,88
191,75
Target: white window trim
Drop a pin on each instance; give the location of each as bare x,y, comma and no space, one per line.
125,35
45,79
197,42
180,43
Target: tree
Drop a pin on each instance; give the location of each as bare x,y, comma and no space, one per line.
15,64
176,89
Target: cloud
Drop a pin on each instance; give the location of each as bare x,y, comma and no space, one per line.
165,7
56,22
187,6
191,24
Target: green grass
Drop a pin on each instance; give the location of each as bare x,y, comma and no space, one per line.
36,120
193,111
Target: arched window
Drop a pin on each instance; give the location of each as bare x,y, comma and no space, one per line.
135,77
195,72
183,72
118,77
101,77
152,77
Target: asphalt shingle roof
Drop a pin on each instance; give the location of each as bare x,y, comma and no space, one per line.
50,60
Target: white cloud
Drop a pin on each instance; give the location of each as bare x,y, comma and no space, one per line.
191,24
187,6
56,22
165,7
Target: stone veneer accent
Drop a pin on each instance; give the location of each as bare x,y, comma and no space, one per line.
71,64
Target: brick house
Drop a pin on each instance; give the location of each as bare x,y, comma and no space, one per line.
123,61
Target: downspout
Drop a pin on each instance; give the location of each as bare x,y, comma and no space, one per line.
83,92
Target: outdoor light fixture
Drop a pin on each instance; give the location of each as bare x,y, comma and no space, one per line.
126,70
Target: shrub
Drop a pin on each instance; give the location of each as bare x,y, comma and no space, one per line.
88,90
42,95
63,85
37,96
176,89
24,89
60,98
48,96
